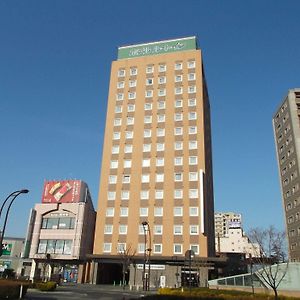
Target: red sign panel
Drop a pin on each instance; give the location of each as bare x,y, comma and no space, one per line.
65,191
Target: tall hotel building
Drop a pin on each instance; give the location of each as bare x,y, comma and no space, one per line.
287,137
156,188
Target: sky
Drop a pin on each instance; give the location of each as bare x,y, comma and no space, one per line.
55,59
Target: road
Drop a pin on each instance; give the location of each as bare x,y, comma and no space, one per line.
85,291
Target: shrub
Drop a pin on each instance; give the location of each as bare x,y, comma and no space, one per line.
10,289
46,286
205,293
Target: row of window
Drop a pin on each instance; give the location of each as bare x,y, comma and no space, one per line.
159,132
160,118
55,247
144,194
133,71
157,248
58,223
292,218
290,206
158,211
157,229
159,161
128,148
159,194
283,108
160,80
289,193
191,89
159,177
293,176
160,105
292,232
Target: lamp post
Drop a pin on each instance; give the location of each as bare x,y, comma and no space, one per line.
190,254
14,195
146,281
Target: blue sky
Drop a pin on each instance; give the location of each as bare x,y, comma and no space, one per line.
55,59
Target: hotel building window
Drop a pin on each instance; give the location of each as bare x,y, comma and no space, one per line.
108,229
110,211
124,212
133,71
193,211
131,95
111,195
122,229
146,147
157,248
144,211
177,249
159,194
116,135
144,195
149,93
130,107
178,211
145,178
178,161
160,132
160,161
162,68
148,106
177,229
162,80
132,83
158,211
178,194
121,73
192,102
127,163
107,247
120,84
149,69
149,81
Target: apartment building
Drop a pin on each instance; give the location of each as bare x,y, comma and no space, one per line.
156,188
287,140
226,220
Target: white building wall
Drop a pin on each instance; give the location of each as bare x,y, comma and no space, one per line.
236,242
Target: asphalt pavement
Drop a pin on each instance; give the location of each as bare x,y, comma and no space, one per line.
86,291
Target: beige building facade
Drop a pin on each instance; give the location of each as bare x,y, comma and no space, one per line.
61,232
287,140
226,220
156,187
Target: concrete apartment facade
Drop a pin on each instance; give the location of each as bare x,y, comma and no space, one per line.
61,231
156,187
226,220
287,140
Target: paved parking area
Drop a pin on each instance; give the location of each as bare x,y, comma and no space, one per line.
85,291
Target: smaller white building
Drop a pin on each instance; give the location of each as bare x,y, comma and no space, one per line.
237,242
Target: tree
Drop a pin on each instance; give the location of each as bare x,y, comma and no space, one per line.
271,256
126,254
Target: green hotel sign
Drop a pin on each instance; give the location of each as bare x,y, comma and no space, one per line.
157,48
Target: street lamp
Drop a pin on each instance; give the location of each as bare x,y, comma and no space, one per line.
14,195
190,254
146,281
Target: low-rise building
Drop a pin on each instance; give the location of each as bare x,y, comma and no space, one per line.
12,261
60,232
237,242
